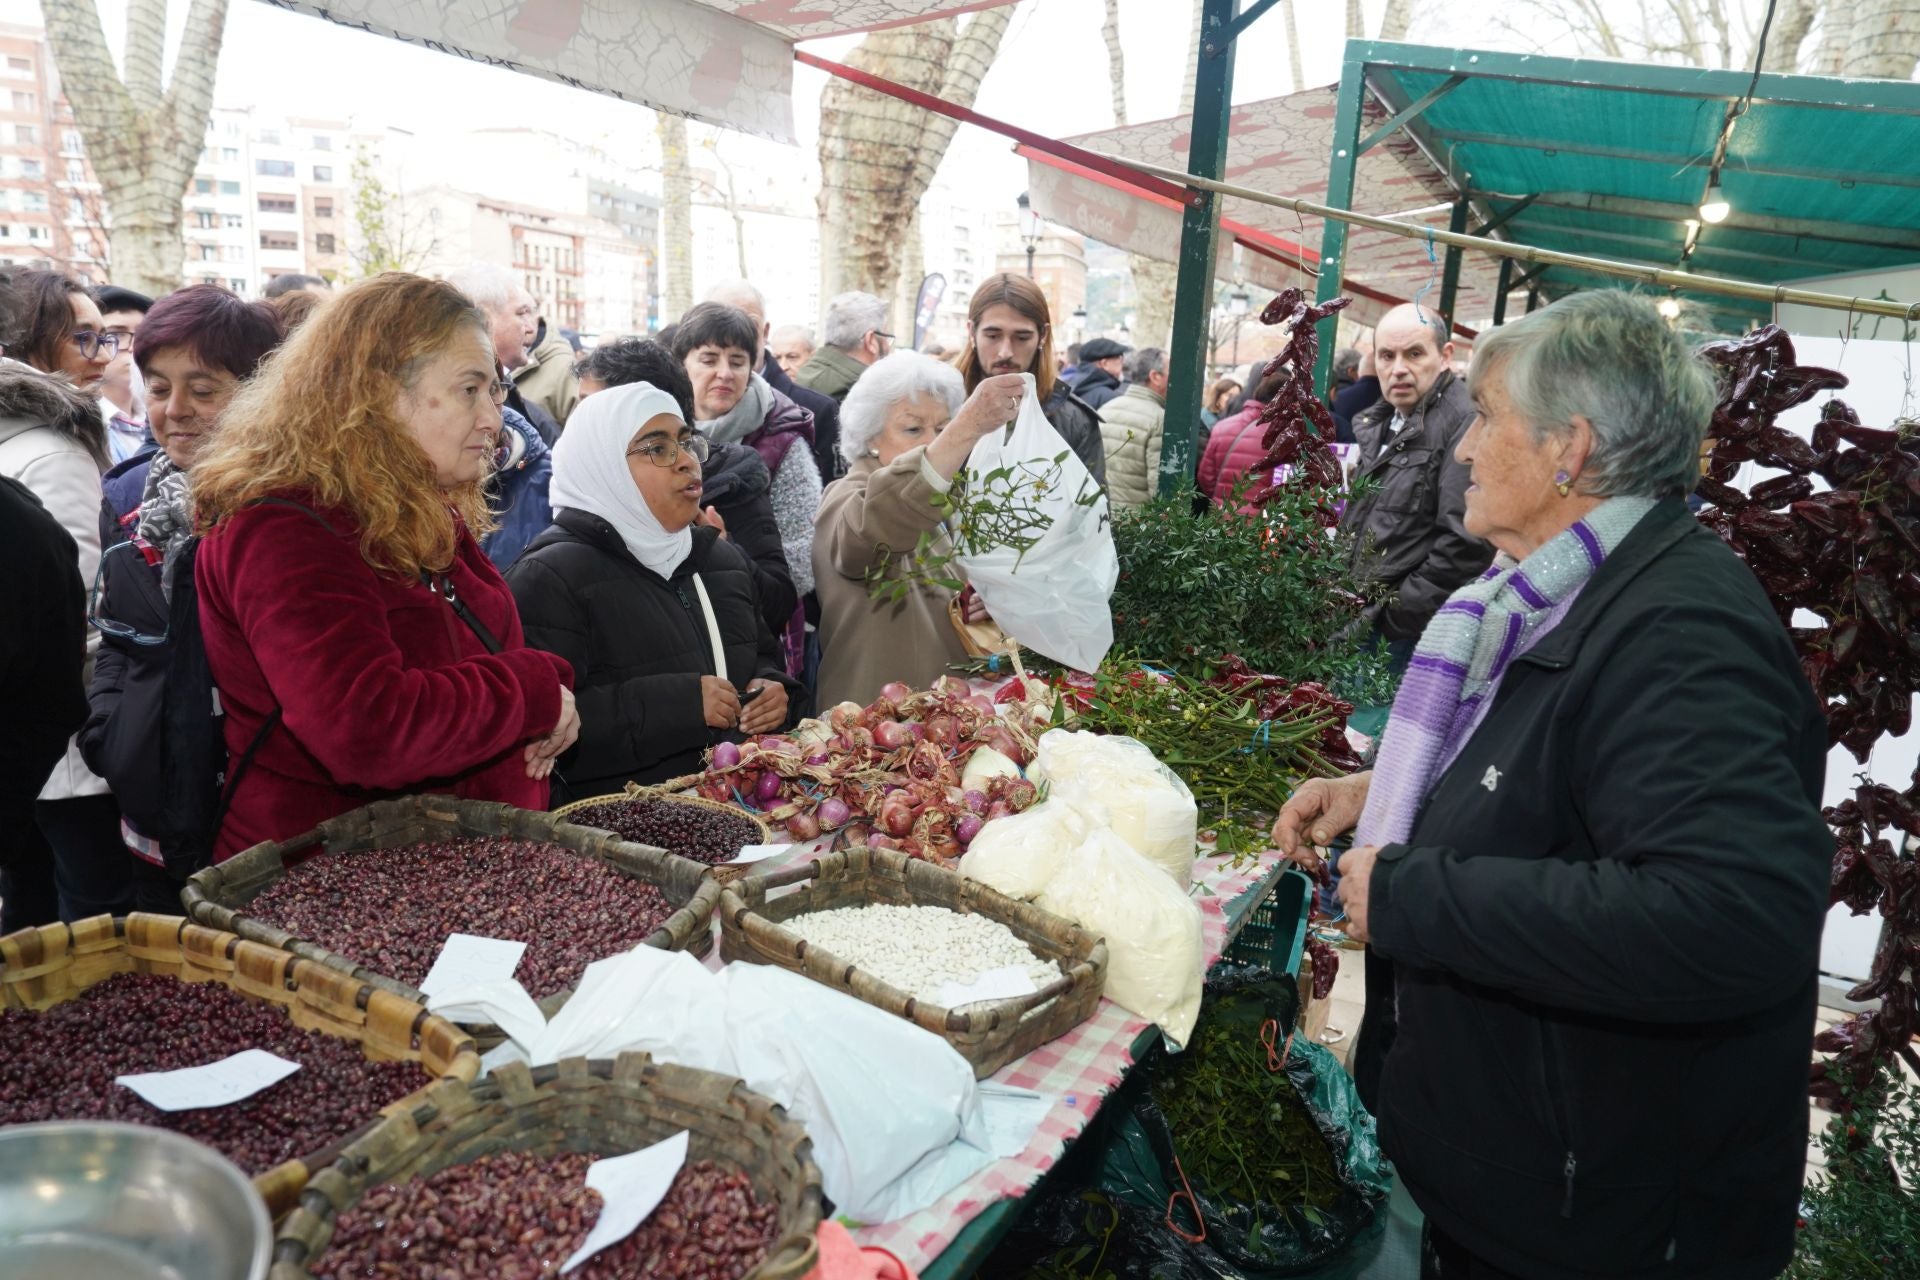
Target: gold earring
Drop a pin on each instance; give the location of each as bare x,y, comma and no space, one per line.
1562,483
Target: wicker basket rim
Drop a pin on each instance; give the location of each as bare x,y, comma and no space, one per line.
566,811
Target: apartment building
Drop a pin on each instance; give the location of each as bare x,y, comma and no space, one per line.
50,211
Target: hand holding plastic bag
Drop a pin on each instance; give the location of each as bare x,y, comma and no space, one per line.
1052,595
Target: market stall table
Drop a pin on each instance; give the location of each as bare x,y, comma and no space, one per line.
953,1236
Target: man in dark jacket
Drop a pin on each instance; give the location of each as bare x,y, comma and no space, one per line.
825,409
1009,330
851,338
42,702
1411,549
1102,362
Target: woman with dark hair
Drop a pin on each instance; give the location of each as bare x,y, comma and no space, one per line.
356,632
734,499
718,346
1237,442
54,441
194,349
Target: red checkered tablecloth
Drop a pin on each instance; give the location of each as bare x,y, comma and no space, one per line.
1079,1069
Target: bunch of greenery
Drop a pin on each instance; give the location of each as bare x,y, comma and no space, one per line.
1863,1217
1270,584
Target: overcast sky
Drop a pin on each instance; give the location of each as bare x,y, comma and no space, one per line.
1051,76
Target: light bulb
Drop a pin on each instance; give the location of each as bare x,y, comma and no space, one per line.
1715,207
1669,308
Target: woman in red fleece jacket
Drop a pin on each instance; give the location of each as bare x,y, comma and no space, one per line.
340,582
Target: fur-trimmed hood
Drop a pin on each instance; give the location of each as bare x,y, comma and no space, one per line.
30,399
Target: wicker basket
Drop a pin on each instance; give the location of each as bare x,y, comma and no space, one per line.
43,967
601,1107
218,895
723,873
988,1034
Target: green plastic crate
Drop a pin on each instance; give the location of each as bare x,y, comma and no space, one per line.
1276,929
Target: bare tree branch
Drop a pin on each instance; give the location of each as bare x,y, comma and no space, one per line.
146,45
1116,61
1297,76
1394,21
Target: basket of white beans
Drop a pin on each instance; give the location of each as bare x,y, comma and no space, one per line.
918,941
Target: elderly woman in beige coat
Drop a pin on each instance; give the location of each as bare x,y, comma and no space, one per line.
905,433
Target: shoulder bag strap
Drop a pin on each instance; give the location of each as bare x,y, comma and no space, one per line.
442,586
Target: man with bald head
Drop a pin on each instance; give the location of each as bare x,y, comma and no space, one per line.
1411,549
825,409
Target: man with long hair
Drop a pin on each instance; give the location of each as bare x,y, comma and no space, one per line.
1009,330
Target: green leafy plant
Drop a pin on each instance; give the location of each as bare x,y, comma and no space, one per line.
1862,1218
1271,585
980,513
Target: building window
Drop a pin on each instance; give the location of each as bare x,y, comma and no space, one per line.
203,186
22,100
279,240
32,169
269,137
204,219
230,155
209,253
323,173
70,142
19,64
238,286
76,209
209,279
279,204
323,243
26,135
233,253
321,142
273,168
76,170
229,188
235,220
323,207
33,201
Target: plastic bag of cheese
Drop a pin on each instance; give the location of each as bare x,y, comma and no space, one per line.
1147,804
1154,948
1018,854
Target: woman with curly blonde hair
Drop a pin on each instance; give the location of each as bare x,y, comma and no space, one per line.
361,641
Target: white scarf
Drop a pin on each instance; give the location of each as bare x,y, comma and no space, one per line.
590,471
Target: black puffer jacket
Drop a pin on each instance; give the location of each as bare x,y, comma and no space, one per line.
1606,930
1079,426
639,645
736,484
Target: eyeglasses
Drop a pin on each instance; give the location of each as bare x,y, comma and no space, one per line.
882,333
497,392
92,344
664,453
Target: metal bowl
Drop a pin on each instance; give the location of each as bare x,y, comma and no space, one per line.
83,1201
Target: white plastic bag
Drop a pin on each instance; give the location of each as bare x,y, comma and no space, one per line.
1154,945
1054,598
1147,804
1018,854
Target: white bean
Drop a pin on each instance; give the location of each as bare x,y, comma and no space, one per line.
919,949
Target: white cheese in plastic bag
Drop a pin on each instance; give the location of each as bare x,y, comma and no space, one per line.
1018,854
1155,952
1146,803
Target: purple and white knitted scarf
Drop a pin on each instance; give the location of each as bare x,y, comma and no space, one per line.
1466,649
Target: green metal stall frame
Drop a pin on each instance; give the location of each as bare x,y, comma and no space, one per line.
1821,179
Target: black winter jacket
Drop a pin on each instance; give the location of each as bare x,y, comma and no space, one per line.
826,419
1605,930
1411,548
121,740
639,645
736,483
1079,426
43,647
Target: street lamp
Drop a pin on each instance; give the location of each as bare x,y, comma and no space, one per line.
1238,304
1029,229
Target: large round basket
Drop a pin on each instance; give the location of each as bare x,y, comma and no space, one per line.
42,967
598,1108
988,1033
722,872
218,895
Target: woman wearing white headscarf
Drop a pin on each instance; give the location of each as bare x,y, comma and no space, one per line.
657,614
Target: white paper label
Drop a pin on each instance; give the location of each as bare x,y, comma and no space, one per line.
1012,1116
1003,983
758,853
469,960
503,1002
216,1084
631,1187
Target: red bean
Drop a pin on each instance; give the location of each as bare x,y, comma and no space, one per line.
692,831
60,1065
392,909
517,1216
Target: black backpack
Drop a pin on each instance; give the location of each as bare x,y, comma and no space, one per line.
196,782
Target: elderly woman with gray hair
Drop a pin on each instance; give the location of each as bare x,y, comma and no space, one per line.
1589,861
906,430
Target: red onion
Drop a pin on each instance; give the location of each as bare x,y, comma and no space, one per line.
726,755
967,828
803,826
895,691
1001,739
767,790
982,703
818,758
891,735
778,746
897,813
918,730
998,809
976,801
834,812
879,841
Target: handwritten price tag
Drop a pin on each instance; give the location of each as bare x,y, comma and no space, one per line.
216,1084
631,1187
